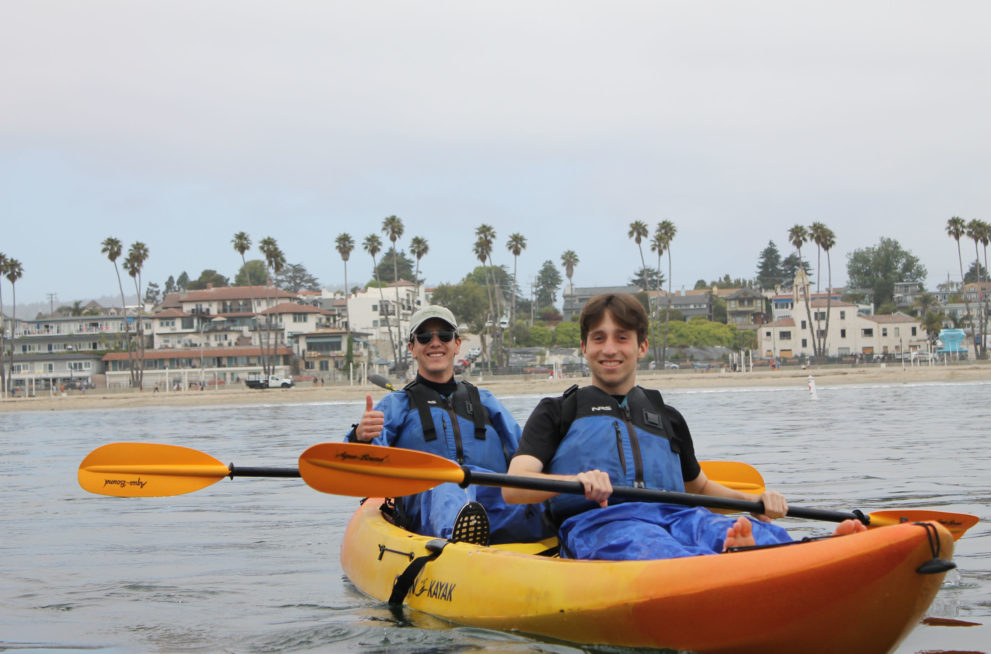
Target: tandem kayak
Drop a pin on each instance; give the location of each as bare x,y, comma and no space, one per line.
861,593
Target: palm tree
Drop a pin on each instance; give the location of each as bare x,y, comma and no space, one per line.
798,236
112,248
135,261
824,239
393,228
12,271
516,244
482,249
664,235
984,235
638,232
419,248
275,260
344,245
242,243
956,228
373,245
569,260
975,230
3,378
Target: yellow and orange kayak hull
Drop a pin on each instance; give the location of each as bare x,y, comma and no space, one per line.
850,594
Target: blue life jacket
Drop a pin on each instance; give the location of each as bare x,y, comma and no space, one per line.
634,443
456,427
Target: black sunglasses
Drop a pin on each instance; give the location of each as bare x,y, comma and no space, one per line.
445,336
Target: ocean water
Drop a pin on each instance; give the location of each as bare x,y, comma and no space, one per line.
251,565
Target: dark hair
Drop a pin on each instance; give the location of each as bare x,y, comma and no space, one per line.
625,309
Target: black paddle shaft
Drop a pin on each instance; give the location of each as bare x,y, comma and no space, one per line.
651,495
248,471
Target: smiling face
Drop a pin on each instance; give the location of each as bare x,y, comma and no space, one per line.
612,353
435,360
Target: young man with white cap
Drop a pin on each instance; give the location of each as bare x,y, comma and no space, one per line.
437,414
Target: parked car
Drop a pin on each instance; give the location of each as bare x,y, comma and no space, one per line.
671,365
272,381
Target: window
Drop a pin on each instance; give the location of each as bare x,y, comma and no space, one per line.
803,324
79,366
884,331
898,331
299,317
167,322
842,333
784,336
914,329
842,315
867,333
804,343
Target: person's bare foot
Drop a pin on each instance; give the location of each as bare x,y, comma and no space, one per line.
741,534
849,527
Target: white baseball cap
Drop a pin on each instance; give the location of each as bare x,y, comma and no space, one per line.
430,312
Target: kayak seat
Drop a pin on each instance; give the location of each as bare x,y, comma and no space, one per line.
471,525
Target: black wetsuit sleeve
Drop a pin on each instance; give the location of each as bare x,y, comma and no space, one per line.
541,434
690,467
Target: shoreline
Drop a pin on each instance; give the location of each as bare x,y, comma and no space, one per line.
517,385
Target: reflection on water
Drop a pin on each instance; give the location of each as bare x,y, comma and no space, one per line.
251,564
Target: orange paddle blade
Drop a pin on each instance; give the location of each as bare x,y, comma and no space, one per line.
365,470
956,523
148,470
735,474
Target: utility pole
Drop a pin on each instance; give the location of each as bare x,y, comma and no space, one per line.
51,302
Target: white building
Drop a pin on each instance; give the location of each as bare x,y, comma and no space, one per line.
372,309
849,334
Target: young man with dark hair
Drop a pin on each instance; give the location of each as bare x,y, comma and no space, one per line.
616,431
437,414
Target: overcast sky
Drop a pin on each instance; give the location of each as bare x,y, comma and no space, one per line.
180,123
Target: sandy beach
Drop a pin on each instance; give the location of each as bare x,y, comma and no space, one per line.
515,385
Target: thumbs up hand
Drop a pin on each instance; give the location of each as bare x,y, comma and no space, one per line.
371,422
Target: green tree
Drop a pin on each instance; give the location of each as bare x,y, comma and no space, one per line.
516,244
294,278
769,273
567,334
790,265
182,281
208,277
647,278
878,268
153,294
540,336
252,273
466,300
548,281
170,286
975,273
391,263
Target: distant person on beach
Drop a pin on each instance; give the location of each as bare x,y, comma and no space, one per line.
454,419
616,431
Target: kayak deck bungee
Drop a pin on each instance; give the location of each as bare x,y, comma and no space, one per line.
859,593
